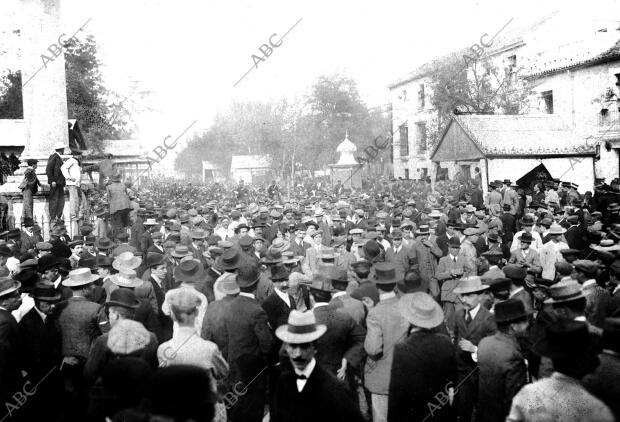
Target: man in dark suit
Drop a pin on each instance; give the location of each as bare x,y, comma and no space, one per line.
502,363
79,325
56,181
213,327
298,245
473,322
342,346
10,344
158,272
398,254
41,340
508,224
342,301
249,342
307,392
424,372
603,382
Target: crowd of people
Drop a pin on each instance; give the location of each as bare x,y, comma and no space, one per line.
404,301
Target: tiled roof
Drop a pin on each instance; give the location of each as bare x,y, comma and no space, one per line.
522,135
249,162
587,57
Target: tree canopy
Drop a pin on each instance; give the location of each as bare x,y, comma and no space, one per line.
305,130
101,114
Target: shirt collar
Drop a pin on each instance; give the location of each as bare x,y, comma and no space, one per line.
473,312
307,371
41,314
581,318
57,282
250,295
338,294
318,305
386,296
283,296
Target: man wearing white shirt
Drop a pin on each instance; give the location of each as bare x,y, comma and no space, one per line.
72,172
308,392
527,222
550,252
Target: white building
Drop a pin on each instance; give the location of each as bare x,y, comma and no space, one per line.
569,62
250,168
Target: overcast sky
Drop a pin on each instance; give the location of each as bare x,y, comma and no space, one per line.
191,52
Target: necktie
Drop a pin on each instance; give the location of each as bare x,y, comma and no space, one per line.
302,377
467,317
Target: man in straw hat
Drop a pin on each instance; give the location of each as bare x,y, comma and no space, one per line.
307,392
423,373
79,325
472,323
561,397
503,370
550,252
386,326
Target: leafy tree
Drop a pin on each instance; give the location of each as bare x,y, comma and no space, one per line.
479,87
11,106
101,113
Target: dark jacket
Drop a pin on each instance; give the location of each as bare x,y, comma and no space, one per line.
10,357
277,314
481,326
164,322
423,368
41,342
249,339
502,374
323,398
79,325
344,338
213,326
54,162
603,383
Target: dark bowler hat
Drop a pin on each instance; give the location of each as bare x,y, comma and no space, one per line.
229,260
510,310
153,259
279,273
454,242
564,339
104,243
46,262
45,292
189,271
514,272
526,238
247,275
385,273
124,298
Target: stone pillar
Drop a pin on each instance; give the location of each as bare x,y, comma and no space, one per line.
44,89
44,94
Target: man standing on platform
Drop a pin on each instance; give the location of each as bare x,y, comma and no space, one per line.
72,172
56,180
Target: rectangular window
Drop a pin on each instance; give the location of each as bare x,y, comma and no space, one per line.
547,97
421,96
421,137
404,141
512,61
407,174
617,75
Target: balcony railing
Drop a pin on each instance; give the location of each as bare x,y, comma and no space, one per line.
609,119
